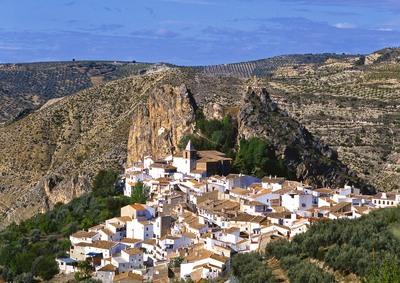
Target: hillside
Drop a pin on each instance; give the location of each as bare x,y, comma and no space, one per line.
350,102
46,236
366,248
267,67
346,250
52,154
25,87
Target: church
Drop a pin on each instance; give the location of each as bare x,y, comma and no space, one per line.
201,162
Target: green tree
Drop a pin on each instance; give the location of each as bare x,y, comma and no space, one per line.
104,183
84,271
257,157
388,272
140,193
250,267
213,134
176,262
45,267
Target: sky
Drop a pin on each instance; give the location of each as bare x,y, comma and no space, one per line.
192,32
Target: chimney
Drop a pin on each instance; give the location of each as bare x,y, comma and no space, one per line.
384,195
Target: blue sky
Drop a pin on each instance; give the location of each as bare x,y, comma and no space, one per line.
192,32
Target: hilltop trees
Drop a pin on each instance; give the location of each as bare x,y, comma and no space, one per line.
257,157
213,134
254,156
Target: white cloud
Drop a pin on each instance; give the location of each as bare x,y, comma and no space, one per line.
344,25
384,29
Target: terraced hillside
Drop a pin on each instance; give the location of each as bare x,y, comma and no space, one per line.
353,108
351,102
266,67
25,87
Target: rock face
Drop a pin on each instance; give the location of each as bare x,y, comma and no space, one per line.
160,122
312,161
59,190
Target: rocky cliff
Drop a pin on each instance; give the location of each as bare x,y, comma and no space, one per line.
159,123
306,156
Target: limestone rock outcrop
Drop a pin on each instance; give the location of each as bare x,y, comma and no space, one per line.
158,124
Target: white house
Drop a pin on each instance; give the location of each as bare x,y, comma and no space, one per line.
169,244
255,208
106,248
66,265
103,249
386,199
84,237
161,170
173,243
296,200
204,264
162,226
273,183
132,179
128,260
106,273
147,161
139,229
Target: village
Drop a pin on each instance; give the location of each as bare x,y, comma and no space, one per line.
198,215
